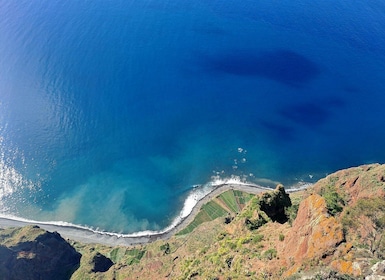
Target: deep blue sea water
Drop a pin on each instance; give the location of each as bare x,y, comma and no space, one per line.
111,111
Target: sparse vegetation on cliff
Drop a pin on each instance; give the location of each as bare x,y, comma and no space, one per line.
334,201
334,230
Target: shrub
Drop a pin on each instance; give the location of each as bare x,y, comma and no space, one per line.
243,240
165,248
334,202
374,210
281,237
253,224
270,254
291,213
257,238
221,235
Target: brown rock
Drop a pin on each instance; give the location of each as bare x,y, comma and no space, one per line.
356,182
315,234
346,267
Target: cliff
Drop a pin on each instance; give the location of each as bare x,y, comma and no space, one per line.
32,253
332,230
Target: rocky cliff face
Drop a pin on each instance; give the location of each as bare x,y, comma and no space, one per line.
32,253
340,224
315,235
333,230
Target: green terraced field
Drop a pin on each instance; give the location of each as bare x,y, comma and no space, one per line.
233,199
230,200
131,256
214,210
242,197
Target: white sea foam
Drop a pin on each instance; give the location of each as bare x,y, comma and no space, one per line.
299,187
197,193
194,197
237,180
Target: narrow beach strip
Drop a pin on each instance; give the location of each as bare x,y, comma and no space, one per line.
87,235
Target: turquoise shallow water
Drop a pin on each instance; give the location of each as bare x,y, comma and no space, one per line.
111,111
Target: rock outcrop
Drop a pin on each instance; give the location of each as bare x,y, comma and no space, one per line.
33,253
274,204
100,263
315,234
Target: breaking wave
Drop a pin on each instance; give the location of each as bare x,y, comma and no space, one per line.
197,193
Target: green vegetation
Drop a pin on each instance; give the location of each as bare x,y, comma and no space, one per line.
123,255
281,237
233,200
117,254
274,204
373,209
334,201
200,218
165,248
229,199
291,213
242,197
210,211
269,206
257,238
270,254
222,235
252,207
190,268
214,210
253,224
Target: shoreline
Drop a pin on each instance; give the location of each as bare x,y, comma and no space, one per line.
87,235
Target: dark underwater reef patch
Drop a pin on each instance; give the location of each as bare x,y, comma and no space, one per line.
283,66
312,113
308,114
294,116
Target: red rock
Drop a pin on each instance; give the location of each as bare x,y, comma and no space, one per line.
315,234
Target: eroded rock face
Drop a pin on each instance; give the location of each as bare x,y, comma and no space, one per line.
37,254
314,235
357,182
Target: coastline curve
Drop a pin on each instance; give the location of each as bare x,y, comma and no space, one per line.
87,235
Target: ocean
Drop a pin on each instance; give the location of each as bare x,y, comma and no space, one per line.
113,113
